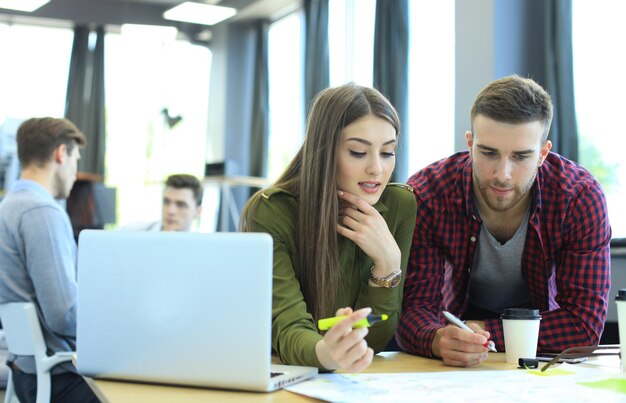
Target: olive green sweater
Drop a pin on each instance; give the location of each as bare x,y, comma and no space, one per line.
294,333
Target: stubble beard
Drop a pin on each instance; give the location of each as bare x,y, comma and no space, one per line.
500,204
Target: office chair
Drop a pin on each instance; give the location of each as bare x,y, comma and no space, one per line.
4,369
24,337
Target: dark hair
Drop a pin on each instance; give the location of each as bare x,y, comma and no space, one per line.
37,138
184,181
313,172
514,99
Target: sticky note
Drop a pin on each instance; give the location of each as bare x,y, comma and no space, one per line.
551,372
613,384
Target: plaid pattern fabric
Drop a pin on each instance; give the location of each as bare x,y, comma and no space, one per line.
566,258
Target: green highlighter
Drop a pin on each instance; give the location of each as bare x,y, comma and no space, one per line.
325,324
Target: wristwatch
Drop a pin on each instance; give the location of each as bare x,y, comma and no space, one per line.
390,281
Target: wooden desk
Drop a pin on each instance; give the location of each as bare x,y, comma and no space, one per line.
388,362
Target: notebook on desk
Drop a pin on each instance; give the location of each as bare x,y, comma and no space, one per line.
178,308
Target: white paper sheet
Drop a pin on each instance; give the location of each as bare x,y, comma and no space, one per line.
461,386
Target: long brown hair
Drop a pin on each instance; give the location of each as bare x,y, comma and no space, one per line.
312,177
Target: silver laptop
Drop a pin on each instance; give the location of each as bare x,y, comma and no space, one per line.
178,308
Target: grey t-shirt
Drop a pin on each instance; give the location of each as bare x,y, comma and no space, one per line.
496,280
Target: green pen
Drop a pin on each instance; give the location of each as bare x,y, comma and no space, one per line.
325,324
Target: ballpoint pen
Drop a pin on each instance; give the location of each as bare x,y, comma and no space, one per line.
458,322
325,324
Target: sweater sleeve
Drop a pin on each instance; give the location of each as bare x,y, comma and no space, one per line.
294,334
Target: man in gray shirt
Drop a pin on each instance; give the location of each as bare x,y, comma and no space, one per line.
38,251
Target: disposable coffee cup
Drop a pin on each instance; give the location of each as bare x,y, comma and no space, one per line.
620,301
521,332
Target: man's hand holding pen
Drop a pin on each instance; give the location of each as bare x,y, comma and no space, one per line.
459,347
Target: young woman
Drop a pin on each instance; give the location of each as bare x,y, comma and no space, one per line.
341,233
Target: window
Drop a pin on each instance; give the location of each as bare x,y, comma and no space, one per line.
33,83
34,71
599,65
149,79
431,82
351,41
286,91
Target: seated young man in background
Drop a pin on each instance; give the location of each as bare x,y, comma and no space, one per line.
182,205
38,251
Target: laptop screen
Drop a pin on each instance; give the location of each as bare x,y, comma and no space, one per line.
182,308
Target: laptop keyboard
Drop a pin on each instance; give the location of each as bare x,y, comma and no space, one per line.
273,374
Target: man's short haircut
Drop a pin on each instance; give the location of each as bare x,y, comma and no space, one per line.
37,138
184,181
515,100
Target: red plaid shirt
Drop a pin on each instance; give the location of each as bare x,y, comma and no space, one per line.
565,262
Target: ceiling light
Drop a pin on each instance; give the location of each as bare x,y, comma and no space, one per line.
197,13
22,5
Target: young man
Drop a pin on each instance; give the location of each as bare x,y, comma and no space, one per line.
506,224
38,252
182,204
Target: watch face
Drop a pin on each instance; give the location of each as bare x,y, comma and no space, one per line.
395,280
